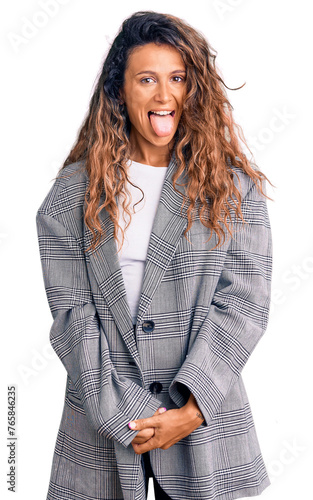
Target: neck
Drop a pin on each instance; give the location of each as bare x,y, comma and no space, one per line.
148,154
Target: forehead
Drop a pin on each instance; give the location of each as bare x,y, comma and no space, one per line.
155,56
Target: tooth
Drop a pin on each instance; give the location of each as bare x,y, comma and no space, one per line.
162,113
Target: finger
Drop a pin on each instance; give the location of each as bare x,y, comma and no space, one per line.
147,446
144,423
145,432
160,410
140,440
143,436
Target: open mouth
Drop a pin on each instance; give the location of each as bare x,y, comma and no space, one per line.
162,122
172,113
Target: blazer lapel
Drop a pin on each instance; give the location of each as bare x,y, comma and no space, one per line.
107,271
168,226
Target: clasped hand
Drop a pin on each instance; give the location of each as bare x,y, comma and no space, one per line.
166,428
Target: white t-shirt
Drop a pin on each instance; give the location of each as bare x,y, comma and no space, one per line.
133,254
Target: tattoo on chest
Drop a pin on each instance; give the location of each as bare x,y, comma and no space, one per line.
200,415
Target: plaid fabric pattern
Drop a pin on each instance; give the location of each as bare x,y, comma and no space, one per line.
209,307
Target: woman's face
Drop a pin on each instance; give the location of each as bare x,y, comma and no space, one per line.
154,81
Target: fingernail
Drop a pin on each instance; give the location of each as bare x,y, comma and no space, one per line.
132,425
162,410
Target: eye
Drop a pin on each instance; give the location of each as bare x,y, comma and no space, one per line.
179,78
145,80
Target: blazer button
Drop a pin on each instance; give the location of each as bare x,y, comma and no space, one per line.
156,387
148,326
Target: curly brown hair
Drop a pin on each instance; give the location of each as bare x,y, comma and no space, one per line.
208,143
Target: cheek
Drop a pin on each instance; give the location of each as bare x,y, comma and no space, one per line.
180,98
180,106
136,115
136,105
137,97
183,96
131,108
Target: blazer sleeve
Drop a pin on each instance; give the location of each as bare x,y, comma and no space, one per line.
110,400
237,316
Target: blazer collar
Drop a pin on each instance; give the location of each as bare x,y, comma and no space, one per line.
168,226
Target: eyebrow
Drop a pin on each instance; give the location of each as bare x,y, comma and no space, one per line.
154,73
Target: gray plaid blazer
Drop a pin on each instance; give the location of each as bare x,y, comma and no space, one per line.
201,313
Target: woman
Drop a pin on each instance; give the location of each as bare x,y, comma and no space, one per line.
156,253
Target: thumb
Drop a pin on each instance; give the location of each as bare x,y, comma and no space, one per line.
144,423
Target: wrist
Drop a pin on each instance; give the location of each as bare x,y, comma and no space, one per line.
193,410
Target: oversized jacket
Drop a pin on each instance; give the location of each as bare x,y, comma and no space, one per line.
202,311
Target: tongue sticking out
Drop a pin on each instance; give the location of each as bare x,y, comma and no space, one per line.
162,125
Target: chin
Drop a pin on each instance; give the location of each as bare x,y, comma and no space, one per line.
161,141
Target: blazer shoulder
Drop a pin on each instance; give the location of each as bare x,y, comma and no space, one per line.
243,181
67,192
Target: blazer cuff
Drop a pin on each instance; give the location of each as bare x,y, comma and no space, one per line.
191,378
116,427
180,392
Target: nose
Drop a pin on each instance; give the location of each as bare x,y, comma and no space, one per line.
163,92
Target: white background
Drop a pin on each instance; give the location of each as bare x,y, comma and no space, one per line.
47,81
